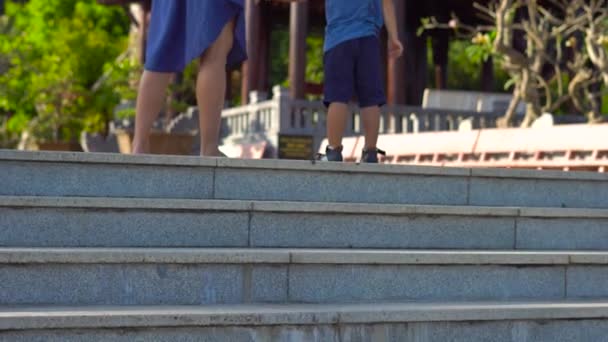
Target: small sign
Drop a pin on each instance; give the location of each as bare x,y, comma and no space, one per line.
299,147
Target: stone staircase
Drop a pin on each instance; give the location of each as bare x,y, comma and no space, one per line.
98,247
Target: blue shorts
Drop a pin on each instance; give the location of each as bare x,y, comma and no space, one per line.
354,68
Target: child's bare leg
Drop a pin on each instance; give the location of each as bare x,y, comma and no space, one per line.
150,101
211,90
371,125
337,116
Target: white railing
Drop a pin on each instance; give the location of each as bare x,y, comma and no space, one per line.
281,115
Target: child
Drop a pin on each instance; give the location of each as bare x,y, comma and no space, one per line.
180,31
353,67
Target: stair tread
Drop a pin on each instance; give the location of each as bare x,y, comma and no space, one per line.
27,255
294,207
58,317
109,158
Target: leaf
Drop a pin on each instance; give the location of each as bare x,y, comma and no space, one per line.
511,82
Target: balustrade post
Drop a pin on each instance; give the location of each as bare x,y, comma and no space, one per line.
254,119
415,123
281,116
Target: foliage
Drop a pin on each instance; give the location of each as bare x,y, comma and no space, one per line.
279,63
314,57
279,56
53,52
464,67
183,92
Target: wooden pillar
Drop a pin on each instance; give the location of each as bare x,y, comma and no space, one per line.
415,57
487,75
298,29
250,67
421,75
441,44
146,6
416,66
396,75
264,49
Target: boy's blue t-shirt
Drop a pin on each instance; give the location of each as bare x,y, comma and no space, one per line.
351,19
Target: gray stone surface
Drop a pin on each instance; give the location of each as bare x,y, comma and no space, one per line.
165,255
380,257
562,233
589,258
509,331
383,209
207,276
210,334
563,213
60,174
380,231
90,221
587,282
268,284
538,192
91,317
105,180
348,283
278,185
56,227
93,159
95,203
106,158
562,331
536,174
503,331
142,284
275,164
426,257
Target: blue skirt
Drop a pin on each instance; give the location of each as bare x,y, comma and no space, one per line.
182,30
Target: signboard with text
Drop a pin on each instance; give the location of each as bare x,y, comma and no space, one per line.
299,147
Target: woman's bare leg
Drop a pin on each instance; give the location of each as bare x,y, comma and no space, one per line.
211,90
150,101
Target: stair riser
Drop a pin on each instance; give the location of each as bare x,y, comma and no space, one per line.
501,331
73,227
194,284
22,178
60,227
153,181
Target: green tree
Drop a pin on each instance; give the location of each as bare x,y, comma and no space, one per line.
53,52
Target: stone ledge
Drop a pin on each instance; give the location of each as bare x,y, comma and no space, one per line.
105,158
293,256
123,203
32,318
563,213
108,158
294,165
295,207
143,256
536,174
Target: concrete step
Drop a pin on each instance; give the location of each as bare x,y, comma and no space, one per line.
378,322
128,222
110,175
144,276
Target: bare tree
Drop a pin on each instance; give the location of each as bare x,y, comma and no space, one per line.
565,42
